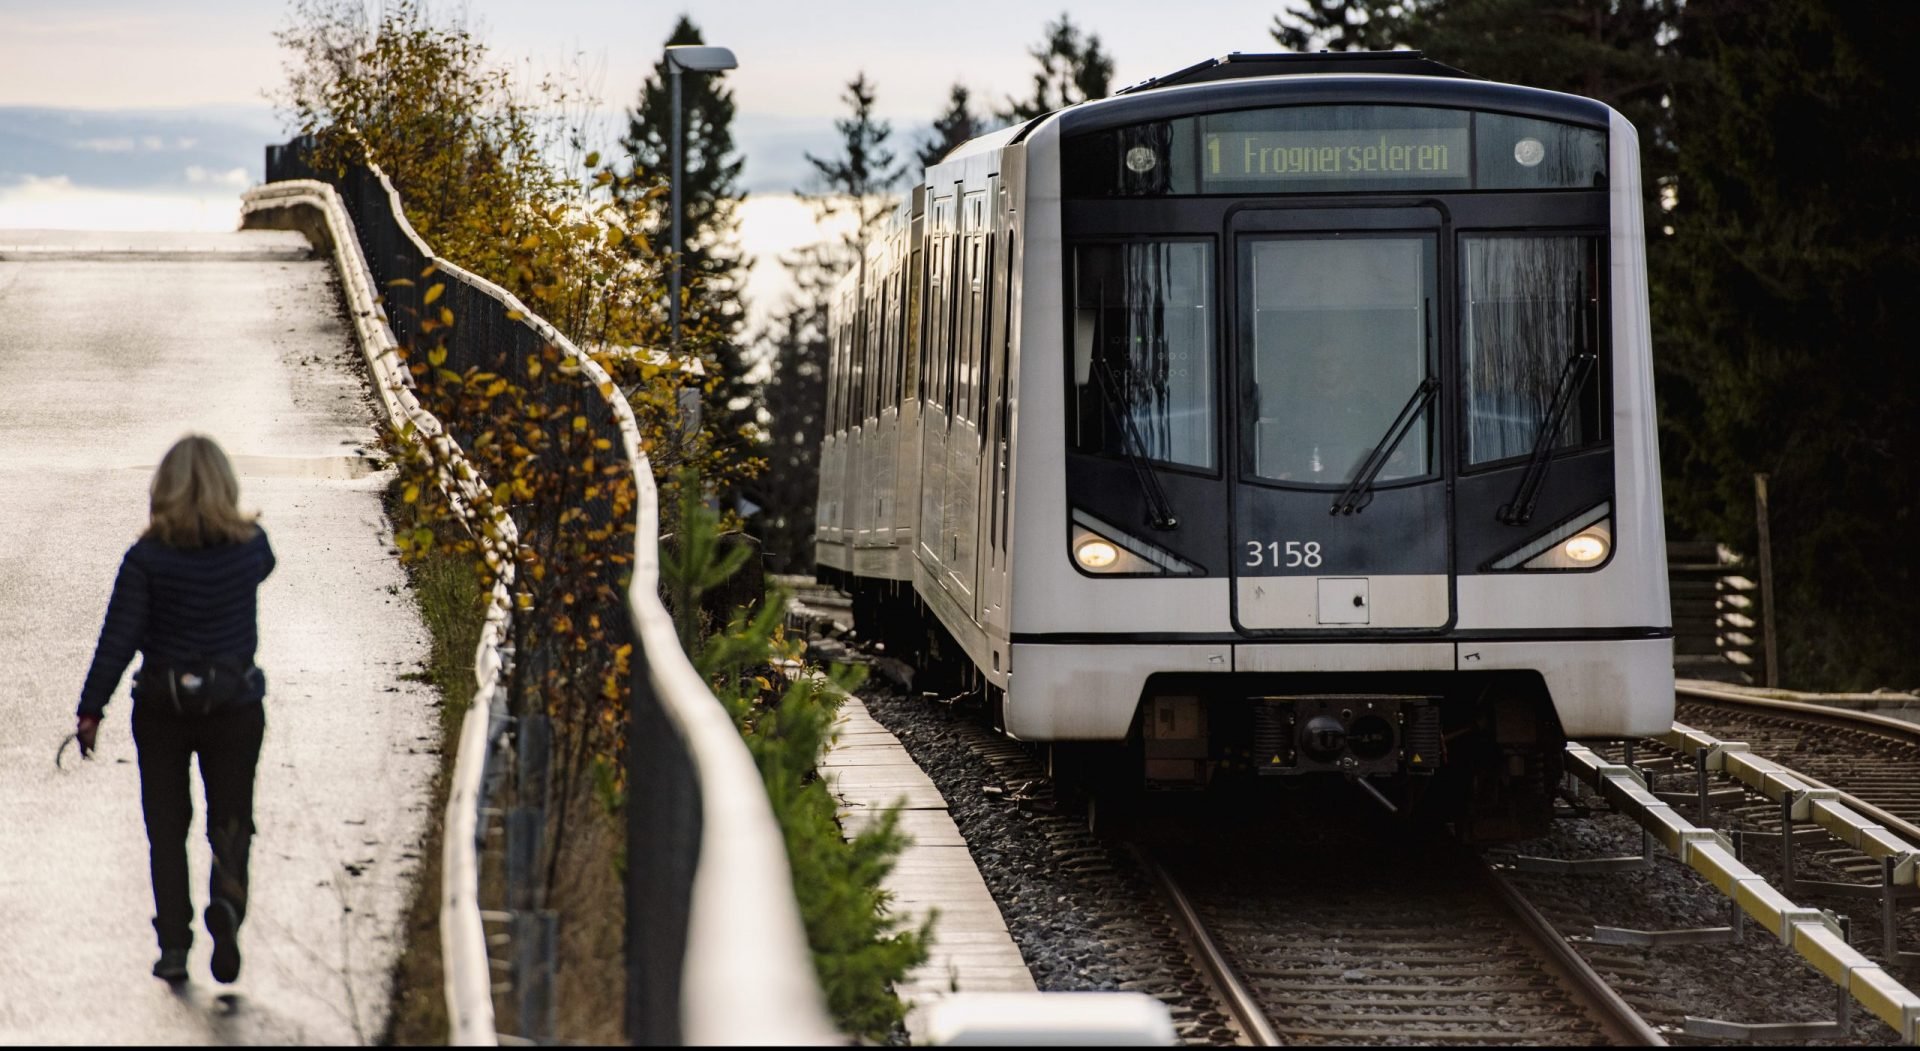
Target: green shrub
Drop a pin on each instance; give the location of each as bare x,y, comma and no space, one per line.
786,715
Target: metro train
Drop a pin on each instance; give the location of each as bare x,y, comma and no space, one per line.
1285,415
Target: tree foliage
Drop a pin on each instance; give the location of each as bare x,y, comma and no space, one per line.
505,183
1073,68
1798,236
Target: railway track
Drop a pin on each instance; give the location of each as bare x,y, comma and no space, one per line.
1872,758
1425,949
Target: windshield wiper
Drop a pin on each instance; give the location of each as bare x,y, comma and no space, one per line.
1573,375
1359,492
1159,509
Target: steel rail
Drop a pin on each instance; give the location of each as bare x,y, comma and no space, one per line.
1240,1000
1824,715
1621,1023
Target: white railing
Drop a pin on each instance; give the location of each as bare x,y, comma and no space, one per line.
746,976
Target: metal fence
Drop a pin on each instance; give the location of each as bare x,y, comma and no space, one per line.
715,949
1717,623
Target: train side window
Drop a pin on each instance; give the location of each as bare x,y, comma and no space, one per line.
916,275
939,359
883,329
1529,304
1143,349
987,309
957,326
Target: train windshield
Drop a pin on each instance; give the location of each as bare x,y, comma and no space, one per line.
1143,373
1530,304
1336,335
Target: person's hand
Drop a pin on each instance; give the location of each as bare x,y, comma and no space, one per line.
84,731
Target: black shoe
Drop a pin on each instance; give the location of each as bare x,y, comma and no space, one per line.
224,925
172,966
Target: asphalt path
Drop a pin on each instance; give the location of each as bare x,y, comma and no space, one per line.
111,348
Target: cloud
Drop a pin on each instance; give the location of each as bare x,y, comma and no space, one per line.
116,144
234,177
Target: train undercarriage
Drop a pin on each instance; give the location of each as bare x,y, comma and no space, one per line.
1477,752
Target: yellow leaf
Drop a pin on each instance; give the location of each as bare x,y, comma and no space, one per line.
446,315
496,388
434,293
615,235
602,443
412,493
401,282
593,159
579,423
437,356
533,368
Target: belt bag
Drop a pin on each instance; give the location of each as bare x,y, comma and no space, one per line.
197,687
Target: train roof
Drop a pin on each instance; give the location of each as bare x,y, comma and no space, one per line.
1247,79
1241,65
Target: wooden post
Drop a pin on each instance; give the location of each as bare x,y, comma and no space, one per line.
1766,580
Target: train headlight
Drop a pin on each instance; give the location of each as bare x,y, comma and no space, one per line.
1095,553
1103,549
1586,547
1581,542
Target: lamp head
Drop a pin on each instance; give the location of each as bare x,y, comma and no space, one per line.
699,58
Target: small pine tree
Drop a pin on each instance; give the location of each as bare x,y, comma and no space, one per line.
859,177
860,947
1073,68
951,128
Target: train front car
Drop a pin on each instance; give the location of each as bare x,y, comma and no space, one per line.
1335,450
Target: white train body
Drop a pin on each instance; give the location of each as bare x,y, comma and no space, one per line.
1106,393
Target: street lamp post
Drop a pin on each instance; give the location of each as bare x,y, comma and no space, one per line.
690,58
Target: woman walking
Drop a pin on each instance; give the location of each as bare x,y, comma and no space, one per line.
185,598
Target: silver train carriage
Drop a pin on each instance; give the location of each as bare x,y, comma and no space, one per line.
1288,414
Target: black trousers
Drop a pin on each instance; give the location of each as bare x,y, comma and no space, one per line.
228,743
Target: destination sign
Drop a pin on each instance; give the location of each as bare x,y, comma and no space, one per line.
1241,159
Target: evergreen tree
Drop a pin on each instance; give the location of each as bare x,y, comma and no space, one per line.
1073,68
950,129
1798,238
796,398
856,180
1340,25
713,270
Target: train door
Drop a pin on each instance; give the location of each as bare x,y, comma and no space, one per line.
1340,516
995,328
937,407
963,434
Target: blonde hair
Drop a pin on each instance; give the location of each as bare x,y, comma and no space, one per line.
195,497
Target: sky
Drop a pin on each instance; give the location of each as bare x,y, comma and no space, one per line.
153,114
